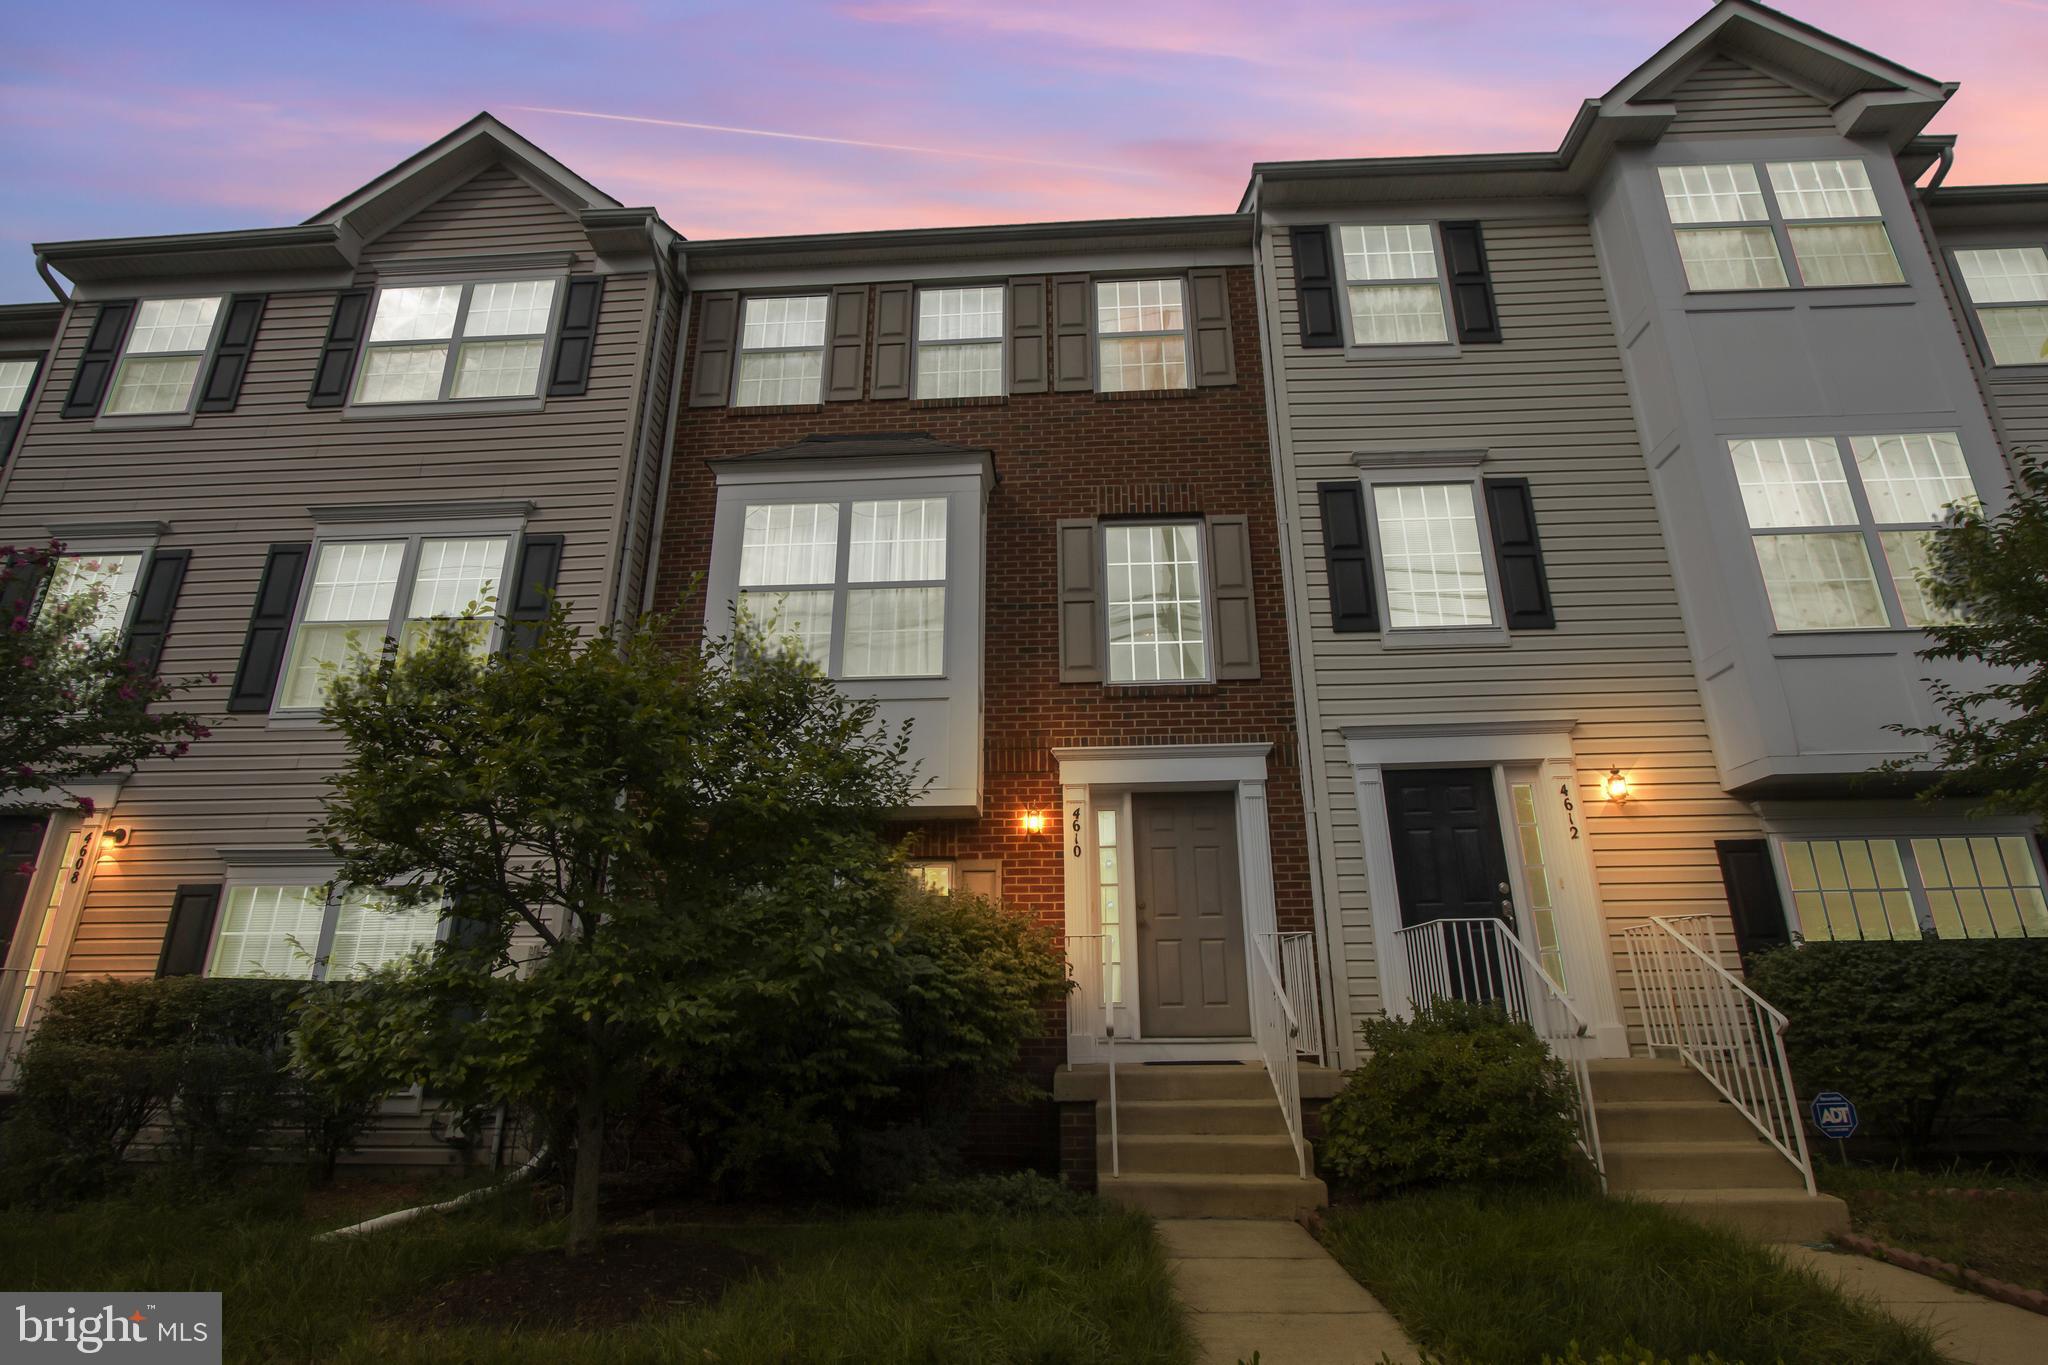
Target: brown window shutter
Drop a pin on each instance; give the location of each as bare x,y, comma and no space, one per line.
1230,588
1073,348
96,362
718,329
979,877
1027,334
1209,322
846,351
895,316
1081,631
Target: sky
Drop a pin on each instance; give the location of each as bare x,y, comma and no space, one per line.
736,119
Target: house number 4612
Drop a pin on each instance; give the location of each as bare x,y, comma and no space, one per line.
1571,821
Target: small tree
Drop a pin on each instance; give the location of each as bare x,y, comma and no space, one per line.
1989,576
642,847
72,706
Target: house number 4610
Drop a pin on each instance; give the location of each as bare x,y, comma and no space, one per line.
1074,824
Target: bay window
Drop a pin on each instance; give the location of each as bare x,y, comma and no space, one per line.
1914,886
439,342
857,586
1728,228
2007,290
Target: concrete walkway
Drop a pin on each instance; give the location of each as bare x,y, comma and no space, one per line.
1267,1286
1967,1327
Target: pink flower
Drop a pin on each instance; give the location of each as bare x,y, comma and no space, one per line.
28,661
25,868
213,677
85,805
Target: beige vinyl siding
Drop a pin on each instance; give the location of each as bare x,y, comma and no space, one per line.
1729,96
1549,403
232,484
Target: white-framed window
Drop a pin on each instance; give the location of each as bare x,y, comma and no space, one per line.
167,345
111,576
1393,286
1155,602
960,341
313,932
933,874
1109,898
2007,290
1913,886
858,586
1433,561
1729,227
1141,335
15,378
480,339
782,351
1820,531
363,591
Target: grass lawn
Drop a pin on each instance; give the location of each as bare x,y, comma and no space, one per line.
869,1288
1504,1277
2005,1236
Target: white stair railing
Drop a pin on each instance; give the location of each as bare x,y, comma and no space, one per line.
1297,961
1482,961
1091,1012
24,995
1276,1029
1716,1024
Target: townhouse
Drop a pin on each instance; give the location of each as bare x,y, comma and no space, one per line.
451,386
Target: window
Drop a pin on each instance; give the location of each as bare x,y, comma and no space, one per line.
1827,211
108,578
159,367
1141,332
960,342
363,592
782,352
314,932
1536,876
1109,898
1818,535
2008,293
1431,556
1392,286
434,342
877,612
15,377
1906,889
933,875
1157,631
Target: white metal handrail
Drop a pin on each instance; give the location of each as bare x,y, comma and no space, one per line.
1484,962
24,996
1091,1011
1696,1007
1275,1029
1297,959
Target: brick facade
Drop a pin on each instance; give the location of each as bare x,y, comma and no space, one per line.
1059,455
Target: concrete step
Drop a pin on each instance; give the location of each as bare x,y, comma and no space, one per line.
1214,1196
1203,1082
1200,1154
1645,1166
1768,1215
1671,1121
1190,1117
1647,1078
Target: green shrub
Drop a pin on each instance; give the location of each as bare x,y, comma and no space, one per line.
1459,1093
1927,1038
1016,1192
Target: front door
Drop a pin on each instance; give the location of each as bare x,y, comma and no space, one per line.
21,839
1191,962
1450,864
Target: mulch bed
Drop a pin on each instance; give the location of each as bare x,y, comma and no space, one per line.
626,1276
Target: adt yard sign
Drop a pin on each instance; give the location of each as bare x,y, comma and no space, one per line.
1834,1115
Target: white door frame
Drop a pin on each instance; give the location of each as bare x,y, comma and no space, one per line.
1090,776
1544,746
56,891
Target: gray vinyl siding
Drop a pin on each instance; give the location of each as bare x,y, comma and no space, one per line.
1550,404
232,484
1729,96
644,498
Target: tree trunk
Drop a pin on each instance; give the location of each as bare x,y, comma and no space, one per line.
589,1157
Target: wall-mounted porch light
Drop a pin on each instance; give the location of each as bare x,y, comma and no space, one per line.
1034,822
1615,785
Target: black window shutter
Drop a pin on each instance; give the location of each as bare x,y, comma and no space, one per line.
345,330
96,363
1519,554
533,585
231,358
270,625
1471,285
576,338
190,932
150,621
1753,901
12,423
1347,558
1315,287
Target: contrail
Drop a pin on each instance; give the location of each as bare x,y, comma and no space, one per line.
836,141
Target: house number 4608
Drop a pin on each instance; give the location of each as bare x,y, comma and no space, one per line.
1571,821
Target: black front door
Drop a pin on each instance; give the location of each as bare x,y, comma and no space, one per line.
1450,864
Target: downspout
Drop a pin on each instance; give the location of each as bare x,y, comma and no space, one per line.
668,439
1941,167
392,1220
43,269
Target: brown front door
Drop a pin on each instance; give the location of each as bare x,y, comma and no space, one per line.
1191,963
